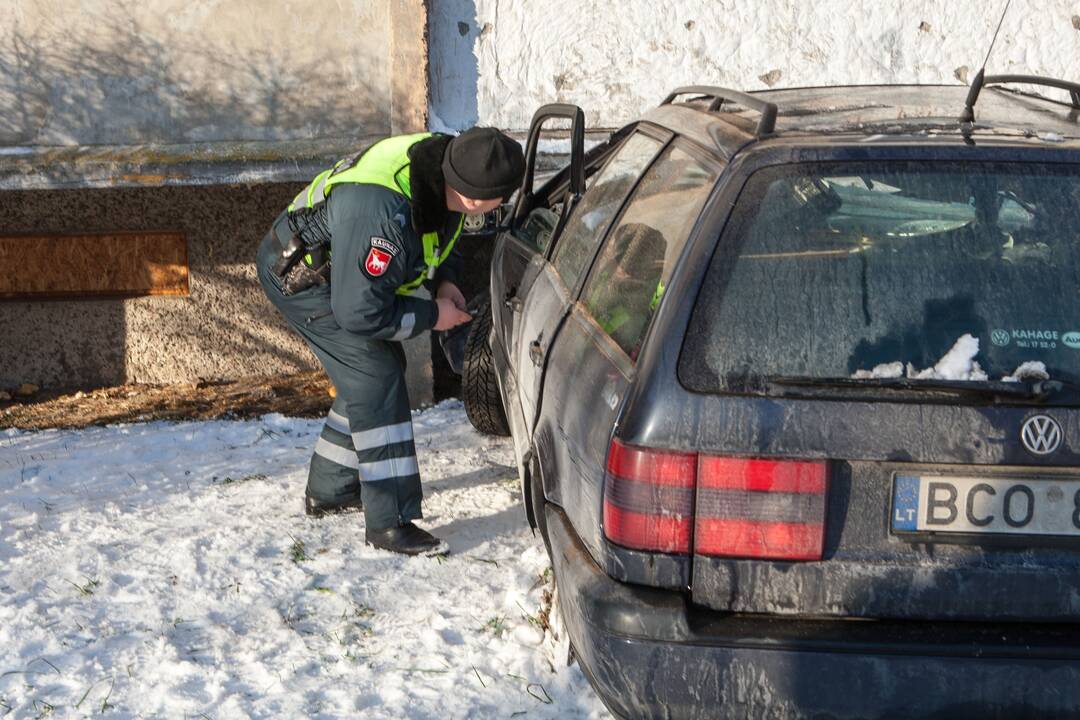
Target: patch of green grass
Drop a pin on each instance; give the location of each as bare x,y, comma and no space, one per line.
105,704
83,698
358,612
297,551
546,699
351,634
88,588
486,561
544,578
45,660
497,625
533,620
229,480
531,688
266,433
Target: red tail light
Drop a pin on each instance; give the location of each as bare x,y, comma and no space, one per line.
669,501
649,498
760,508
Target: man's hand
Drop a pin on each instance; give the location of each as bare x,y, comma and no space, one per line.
450,315
451,292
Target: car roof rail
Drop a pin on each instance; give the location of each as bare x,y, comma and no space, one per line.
980,81
766,125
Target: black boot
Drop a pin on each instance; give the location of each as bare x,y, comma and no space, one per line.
406,539
318,508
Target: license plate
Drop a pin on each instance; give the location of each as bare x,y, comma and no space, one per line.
976,505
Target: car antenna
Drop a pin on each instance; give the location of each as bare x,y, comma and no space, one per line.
968,115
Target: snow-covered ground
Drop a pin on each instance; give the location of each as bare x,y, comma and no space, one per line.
168,570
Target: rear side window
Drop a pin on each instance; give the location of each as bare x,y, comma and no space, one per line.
639,254
880,269
600,203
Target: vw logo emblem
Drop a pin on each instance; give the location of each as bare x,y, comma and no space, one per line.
1000,337
1041,434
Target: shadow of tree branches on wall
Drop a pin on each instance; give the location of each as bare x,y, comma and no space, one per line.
115,74
175,72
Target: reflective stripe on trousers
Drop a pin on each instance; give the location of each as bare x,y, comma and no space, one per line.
340,447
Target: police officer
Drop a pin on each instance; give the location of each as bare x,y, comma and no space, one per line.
342,264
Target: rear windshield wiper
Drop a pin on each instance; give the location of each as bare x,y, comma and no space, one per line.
1037,391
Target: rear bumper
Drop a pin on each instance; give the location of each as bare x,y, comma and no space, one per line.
650,655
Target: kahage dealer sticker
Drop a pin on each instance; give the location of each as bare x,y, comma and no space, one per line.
1035,339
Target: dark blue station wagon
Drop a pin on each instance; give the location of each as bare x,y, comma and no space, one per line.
793,382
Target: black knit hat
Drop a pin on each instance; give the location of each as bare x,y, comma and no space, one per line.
483,163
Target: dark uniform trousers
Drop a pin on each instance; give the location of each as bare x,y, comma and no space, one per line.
366,445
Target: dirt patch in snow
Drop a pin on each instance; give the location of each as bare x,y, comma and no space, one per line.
300,395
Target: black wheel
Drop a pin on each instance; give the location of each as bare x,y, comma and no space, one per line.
479,389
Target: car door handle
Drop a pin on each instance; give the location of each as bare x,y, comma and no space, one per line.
536,353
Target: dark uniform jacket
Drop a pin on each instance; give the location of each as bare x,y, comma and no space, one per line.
363,217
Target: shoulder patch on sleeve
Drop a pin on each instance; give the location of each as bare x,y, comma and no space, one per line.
377,262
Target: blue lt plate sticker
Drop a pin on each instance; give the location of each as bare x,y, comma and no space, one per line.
905,502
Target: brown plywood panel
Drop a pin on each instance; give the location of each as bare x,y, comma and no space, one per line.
115,264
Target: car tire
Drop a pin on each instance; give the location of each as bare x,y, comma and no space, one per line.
479,389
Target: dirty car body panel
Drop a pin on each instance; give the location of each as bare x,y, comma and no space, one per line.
877,620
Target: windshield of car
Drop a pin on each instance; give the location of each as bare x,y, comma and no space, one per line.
928,271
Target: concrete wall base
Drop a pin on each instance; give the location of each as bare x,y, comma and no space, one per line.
225,328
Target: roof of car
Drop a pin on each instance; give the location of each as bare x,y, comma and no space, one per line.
885,110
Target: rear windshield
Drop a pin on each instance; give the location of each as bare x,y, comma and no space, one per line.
954,271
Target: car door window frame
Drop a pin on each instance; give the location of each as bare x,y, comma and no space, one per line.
562,188
654,132
605,158
606,343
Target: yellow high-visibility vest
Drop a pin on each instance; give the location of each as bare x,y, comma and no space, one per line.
385,163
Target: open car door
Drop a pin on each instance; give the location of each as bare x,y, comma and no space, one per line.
539,302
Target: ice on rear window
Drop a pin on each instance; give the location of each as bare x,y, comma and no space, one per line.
1031,370
882,371
957,364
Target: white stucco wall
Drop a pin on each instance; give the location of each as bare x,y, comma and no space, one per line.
494,61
